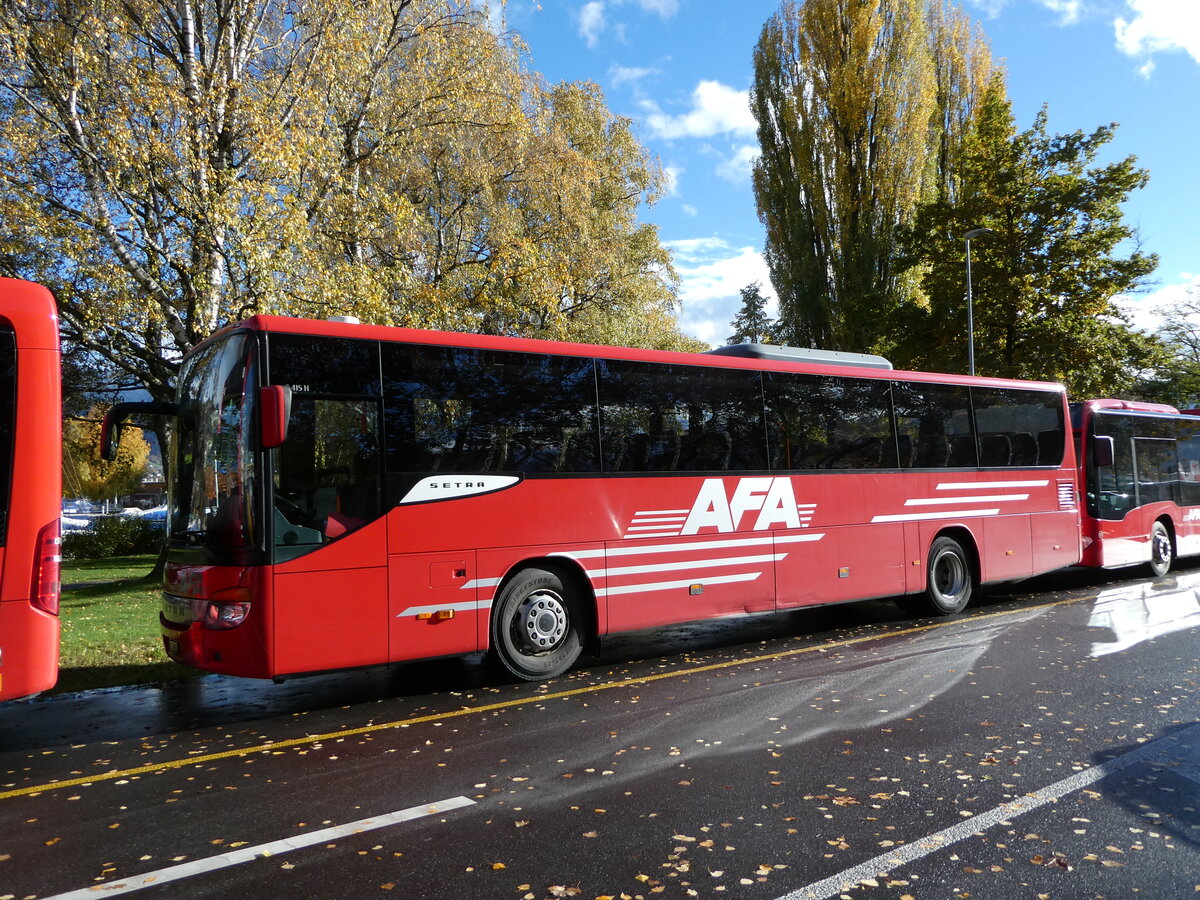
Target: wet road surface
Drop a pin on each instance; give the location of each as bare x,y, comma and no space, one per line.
1043,744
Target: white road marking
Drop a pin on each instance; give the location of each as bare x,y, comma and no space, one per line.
262,851
1155,751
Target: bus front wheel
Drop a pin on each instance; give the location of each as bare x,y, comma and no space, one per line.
536,625
1162,553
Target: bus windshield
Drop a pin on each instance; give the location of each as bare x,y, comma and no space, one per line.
215,474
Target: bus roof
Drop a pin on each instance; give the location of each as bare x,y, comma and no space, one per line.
1135,406
341,329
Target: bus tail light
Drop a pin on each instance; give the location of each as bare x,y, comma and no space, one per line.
227,609
47,569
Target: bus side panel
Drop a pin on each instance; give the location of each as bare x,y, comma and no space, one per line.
1187,531
29,638
433,607
1007,552
1056,542
330,607
666,581
1125,542
332,619
29,652
833,565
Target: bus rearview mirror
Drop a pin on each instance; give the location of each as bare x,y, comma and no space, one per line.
1102,454
274,411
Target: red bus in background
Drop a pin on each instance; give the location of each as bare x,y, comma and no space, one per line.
1139,470
349,495
30,488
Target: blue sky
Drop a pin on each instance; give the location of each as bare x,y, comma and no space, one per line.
681,70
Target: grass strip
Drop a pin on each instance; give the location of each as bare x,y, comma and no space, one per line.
110,631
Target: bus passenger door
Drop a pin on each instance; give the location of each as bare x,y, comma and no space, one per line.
330,583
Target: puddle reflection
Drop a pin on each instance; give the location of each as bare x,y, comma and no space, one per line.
1141,612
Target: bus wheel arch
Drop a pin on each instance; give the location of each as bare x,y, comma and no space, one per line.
952,575
543,616
1162,546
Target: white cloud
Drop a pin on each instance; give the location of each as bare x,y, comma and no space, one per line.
712,273
1069,11
665,8
591,21
1145,311
989,9
1159,26
620,75
690,211
673,174
736,168
716,109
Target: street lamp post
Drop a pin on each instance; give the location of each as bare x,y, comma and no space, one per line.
973,233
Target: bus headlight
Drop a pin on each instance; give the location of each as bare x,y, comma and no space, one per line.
227,609
225,615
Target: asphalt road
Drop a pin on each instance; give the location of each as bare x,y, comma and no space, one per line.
1045,745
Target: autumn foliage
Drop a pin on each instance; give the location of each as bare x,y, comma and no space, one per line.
169,166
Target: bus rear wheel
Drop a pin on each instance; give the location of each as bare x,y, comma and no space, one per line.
1162,553
536,625
950,584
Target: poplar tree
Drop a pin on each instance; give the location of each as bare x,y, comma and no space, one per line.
861,106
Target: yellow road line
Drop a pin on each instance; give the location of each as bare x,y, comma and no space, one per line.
509,704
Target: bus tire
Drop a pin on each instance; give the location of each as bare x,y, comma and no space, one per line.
1162,551
536,625
950,581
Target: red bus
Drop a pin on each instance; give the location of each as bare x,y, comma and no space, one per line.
1139,469
349,495
30,488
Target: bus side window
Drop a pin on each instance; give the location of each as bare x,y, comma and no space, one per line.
672,418
937,420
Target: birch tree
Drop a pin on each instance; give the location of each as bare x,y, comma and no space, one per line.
169,166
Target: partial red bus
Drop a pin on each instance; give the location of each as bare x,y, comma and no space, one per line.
349,495
1139,469
30,488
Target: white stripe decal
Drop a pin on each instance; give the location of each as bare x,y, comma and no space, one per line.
988,485
661,512
765,541
952,514
660,518
262,851
481,582
941,501
686,564
460,607
667,585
